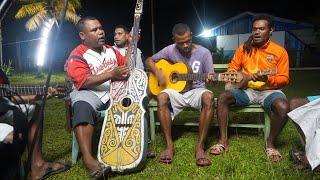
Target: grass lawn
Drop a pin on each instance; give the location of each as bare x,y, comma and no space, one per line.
245,160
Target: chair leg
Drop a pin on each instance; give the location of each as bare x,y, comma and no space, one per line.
267,124
152,124
22,172
75,148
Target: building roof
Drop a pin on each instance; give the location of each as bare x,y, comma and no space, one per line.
241,23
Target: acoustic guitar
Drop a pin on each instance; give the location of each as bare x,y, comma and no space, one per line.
179,78
245,78
8,90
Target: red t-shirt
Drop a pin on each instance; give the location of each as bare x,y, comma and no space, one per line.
83,62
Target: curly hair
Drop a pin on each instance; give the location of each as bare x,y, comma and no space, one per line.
247,46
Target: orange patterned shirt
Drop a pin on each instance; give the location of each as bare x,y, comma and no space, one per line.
270,55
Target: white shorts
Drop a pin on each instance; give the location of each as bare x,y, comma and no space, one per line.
180,101
5,129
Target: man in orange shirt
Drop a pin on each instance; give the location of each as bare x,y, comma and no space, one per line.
257,53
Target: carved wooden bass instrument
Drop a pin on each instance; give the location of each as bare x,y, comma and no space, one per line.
123,139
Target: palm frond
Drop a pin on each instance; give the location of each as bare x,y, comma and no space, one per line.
35,21
75,3
72,5
72,17
30,9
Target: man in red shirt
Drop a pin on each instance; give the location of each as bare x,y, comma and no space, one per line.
91,66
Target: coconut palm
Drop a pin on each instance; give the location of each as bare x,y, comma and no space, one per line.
41,11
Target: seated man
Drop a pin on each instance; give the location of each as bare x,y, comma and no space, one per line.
199,59
257,53
91,67
305,114
40,169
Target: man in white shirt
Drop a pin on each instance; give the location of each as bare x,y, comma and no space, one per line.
121,36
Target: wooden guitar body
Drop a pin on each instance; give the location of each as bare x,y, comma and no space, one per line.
169,70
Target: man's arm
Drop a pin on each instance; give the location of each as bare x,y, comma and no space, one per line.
157,72
281,79
118,73
79,72
235,64
150,63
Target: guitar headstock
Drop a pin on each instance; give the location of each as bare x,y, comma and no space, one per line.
231,76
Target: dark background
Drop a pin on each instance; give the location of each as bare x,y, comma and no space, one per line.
166,14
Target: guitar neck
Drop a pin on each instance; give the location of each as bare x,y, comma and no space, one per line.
191,77
6,90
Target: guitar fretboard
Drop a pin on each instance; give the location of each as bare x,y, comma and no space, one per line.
190,77
6,90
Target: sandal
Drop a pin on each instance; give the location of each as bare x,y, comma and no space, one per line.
217,149
273,154
100,173
203,160
299,158
50,170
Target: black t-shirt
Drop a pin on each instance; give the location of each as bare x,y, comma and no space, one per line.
3,78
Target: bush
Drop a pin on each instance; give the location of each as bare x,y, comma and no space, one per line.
7,68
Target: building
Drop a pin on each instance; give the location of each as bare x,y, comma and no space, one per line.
294,36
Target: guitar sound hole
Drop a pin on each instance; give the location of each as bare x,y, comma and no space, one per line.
126,102
174,77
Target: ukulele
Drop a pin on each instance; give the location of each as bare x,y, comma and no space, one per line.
243,84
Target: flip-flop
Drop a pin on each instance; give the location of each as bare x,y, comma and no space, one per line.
202,159
273,154
218,149
99,173
298,158
166,157
151,153
49,171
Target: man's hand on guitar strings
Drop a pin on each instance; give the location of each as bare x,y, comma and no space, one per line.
160,77
51,92
120,73
211,77
259,77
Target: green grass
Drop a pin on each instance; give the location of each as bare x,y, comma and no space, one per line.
245,160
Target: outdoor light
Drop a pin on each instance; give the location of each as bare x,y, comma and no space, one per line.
42,49
206,33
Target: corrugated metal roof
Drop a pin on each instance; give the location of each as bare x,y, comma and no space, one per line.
241,24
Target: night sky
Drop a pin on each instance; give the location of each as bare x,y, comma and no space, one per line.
166,14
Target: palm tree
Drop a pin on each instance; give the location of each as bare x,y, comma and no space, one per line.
41,11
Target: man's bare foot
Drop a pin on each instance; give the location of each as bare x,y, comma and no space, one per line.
166,156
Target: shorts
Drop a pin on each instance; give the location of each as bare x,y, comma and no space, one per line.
264,98
85,105
180,101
